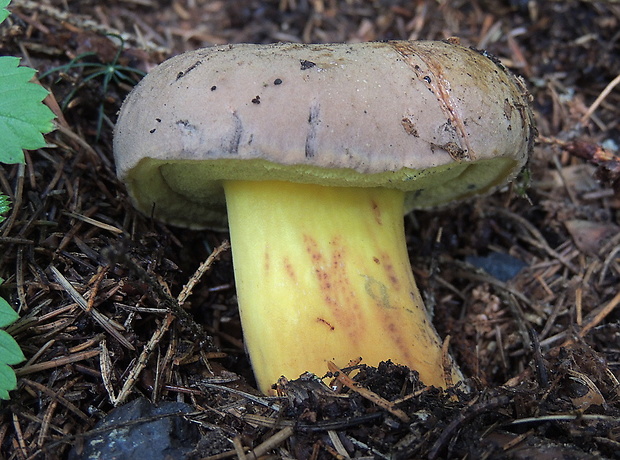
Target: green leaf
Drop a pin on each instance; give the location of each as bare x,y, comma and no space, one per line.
7,314
8,381
4,13
10,353
23,118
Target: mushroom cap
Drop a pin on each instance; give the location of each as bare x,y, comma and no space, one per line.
435,119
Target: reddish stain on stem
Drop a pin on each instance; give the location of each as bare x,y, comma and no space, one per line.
376,210
267,262
321,320
335,285
389,271
290,271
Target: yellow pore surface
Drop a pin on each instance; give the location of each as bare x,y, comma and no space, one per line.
323,274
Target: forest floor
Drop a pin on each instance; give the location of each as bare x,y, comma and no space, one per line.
97,284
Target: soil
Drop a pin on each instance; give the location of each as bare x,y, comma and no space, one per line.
97,285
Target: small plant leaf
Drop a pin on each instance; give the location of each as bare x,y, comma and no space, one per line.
10,353
22,115
9,349
7,314
8,381
4,13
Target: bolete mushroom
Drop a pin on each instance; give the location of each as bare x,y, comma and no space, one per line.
314,152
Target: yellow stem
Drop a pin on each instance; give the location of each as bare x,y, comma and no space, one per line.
323,274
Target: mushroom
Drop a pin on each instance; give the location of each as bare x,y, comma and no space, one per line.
313,153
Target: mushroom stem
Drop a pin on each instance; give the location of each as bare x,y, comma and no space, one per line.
323,274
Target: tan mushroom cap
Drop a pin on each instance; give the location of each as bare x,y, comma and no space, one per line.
436,119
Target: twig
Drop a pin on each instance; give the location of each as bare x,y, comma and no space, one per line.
45,423
595,319
139,366
21,449
73,230
39,352
563,417
333,437
257,399
330,450
323,425
200,271
49,412
55,396
14,240
612,84
33,418
87,344
100,318
446,362
261,449
366,393
68,132
271,443
612,255
239,449
58,362
95,222
163,372
96,280
19,276
541,368
105,364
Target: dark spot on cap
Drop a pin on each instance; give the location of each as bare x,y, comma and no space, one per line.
256,100
213,88
186,127
277,81
230,142
188,70
158,120
409,126
305,65
152,130
427,79
311,137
